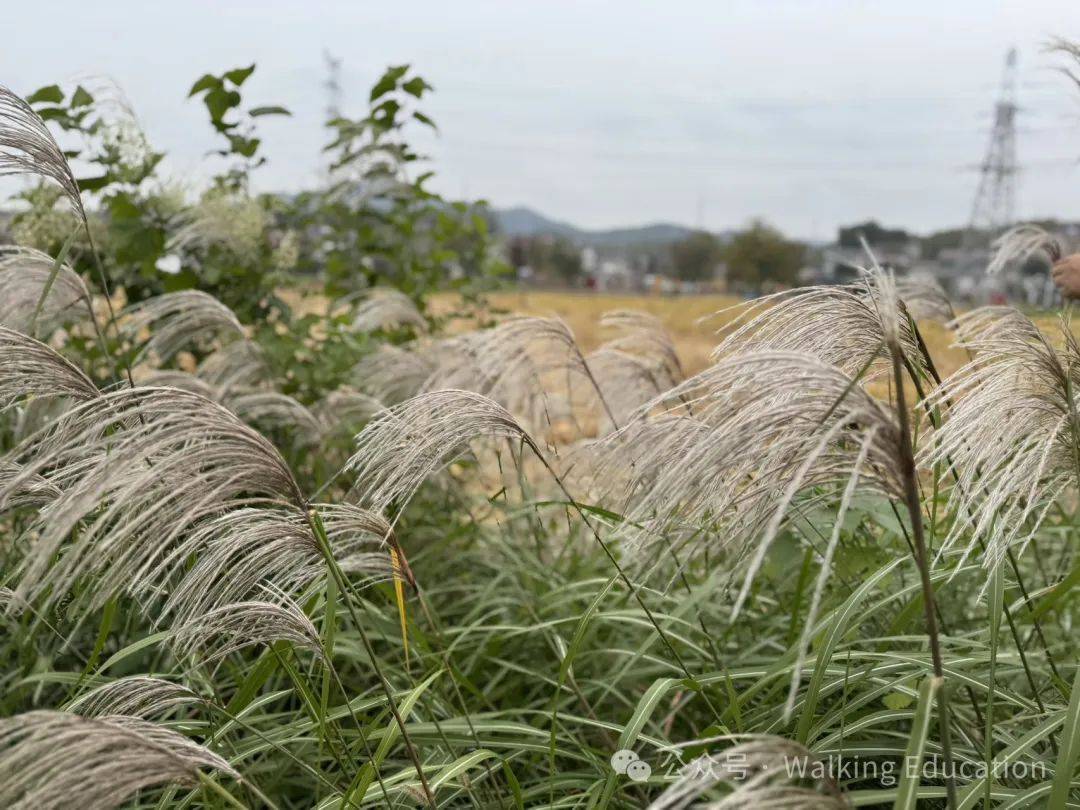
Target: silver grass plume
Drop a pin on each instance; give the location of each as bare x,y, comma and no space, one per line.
405,444
209,637
247,548
384,308
524,360
8,598
31,491
530,345
138,468
139,696
924,297
392,373
27,147
359,539
1012,430
53,760
627,381
1019,244
769,429
643,335
270,410
757,774
175,320
536,390
454,362
185,381
29,368
27,274
1071,51
239,365
265,410
846,326
344,410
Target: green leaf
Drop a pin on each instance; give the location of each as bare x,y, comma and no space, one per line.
920,726
416,86
836,627
254,681
108,615
461,765
219,101
515,786
388,81
134,647
81,98
366,774
996,606
94,183
1070,747
423,119
59,261
207,82
50,94
239,75
256,112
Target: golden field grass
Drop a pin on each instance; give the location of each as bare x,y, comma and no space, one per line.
691,320
695,322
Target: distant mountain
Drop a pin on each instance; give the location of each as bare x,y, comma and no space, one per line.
521,221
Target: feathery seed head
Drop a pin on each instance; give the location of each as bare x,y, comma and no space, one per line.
55,760
27,147
175,320
405,444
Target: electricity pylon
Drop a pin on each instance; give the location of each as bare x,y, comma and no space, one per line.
994,208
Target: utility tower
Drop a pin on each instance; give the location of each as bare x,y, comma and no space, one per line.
332,85
995,199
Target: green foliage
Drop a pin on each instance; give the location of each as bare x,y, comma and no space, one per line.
551,258
695,258
762,255
377,224
222,98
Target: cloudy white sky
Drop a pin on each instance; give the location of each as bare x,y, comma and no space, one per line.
809,113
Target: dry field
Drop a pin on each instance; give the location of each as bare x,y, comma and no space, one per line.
692,321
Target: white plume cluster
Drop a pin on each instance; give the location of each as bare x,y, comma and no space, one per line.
1012,430
756,773
211,636
137,696
29,368
176,320
27,147
58,760
847,326
1018,244
402,446
32,296
385,308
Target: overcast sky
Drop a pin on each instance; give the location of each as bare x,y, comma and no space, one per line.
809,114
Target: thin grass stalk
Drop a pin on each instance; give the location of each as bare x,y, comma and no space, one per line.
911,497
319,531
228,798
596,385
275,745
444,653
629,584
324,727
360,730
407,575
1013,631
